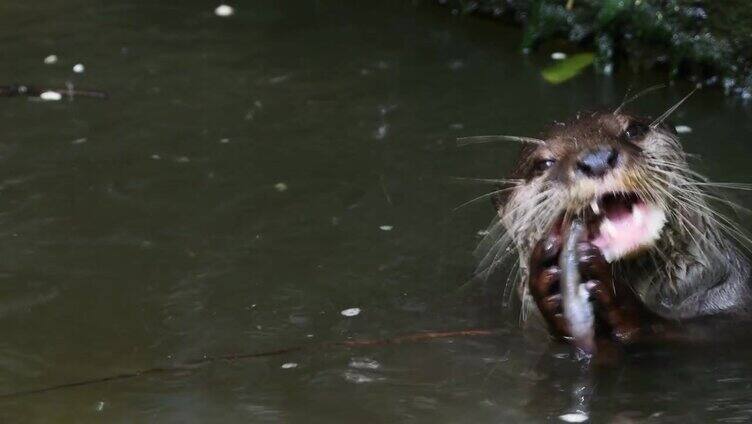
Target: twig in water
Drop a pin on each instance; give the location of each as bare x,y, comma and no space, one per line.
206,360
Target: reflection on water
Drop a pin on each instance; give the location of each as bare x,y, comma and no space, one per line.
253,176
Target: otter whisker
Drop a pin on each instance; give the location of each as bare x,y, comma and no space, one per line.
480,139
481,197
641,93
731,186
671,110
722,221
517,181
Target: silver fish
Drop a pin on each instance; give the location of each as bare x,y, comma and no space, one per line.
574,295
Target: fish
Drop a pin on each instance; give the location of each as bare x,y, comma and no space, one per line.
575,298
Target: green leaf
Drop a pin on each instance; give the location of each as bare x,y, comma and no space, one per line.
568,68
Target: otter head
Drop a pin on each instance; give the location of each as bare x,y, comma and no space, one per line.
623,176
628,179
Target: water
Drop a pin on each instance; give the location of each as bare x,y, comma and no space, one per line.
253,176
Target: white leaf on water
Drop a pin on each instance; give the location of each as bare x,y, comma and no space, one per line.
50,60
52,96
350,312
224,10
574,417
386,227
289,365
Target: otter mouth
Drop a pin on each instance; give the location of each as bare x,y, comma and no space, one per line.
621,224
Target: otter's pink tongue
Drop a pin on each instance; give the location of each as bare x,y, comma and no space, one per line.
627,227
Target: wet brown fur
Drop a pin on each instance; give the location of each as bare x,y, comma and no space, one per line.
696,267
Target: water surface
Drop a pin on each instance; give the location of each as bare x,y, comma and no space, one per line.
253,176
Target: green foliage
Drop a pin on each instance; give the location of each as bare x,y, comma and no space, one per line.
708,41
567,68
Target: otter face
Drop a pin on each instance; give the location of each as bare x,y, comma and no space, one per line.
614,171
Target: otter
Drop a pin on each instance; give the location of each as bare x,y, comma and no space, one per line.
657,253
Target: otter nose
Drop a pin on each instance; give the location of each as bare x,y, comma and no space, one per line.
597,162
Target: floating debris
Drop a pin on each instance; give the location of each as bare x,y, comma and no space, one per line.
279,79
558,55
381,132
79,141
574,417
456,126
350,312
289,365
50,60
51,96
224,140
683,129
156,157
482,233
280,187
100,406
18,90
79,68
182,159
364,364
224,10
386,227
357,378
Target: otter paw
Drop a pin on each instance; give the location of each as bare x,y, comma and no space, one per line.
616,311
544,283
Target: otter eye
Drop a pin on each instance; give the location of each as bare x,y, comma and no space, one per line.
635,131
541,165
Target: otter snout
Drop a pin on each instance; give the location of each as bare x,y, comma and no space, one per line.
597,162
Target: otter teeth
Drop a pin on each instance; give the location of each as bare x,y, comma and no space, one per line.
638,216
594,206
609,228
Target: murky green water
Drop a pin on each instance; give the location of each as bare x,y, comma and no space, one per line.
253,176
